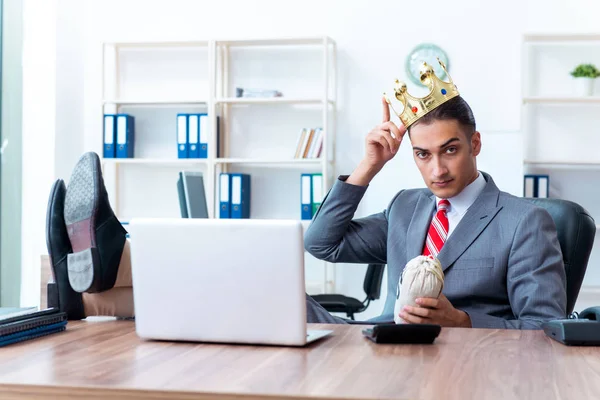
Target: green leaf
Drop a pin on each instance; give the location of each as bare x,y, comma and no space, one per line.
585,71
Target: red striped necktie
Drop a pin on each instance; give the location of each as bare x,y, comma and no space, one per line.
438,230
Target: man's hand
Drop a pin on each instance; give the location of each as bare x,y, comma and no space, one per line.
435,311
382,143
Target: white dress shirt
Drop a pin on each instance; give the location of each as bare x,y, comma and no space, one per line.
460,203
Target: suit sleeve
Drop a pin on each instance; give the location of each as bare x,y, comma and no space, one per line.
536,280
335,236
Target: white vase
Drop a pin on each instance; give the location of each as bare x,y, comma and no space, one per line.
585,86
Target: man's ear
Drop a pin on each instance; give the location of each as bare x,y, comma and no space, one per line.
476,143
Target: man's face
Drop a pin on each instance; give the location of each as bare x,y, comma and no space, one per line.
444,156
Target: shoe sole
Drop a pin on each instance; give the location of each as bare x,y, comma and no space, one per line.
81,205
57,295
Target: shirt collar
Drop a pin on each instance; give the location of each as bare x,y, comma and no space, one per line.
460,203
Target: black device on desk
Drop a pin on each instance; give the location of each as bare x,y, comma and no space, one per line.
403,333
581,329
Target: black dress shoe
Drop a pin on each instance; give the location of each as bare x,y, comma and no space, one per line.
96,235
60,293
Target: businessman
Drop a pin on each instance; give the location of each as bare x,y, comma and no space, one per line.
500,254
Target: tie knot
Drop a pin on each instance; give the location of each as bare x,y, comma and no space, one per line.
443,205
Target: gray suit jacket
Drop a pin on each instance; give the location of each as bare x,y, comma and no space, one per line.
502,263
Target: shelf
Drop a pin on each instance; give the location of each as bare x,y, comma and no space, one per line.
271,100
541,38
273,162
155,102
562,100
156,161
317,40
189,161
563,164
203,43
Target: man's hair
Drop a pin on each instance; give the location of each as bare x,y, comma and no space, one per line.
456,109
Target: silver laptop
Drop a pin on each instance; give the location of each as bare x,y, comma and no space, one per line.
220,280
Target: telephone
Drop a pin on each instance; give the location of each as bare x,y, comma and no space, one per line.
591,313
580,329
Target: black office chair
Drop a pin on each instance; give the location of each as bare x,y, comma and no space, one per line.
576,232
350,305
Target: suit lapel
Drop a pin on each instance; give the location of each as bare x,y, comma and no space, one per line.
475,220
419,224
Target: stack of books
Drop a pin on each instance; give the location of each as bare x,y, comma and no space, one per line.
19,324
310,143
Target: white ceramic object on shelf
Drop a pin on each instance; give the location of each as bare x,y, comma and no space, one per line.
585,86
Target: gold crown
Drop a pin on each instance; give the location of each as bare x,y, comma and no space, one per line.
414,107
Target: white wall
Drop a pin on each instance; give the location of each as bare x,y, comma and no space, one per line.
70,85
39,116
482,40
10,152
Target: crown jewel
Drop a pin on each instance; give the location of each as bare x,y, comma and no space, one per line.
439,93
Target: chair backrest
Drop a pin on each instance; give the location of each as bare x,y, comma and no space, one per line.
373,279
576,232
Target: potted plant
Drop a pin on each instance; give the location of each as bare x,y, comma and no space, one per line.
584,75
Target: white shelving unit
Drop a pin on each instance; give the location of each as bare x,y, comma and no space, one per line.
560,127
154,81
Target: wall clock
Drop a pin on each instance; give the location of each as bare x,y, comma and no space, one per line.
427,52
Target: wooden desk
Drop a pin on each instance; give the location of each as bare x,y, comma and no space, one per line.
107,360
